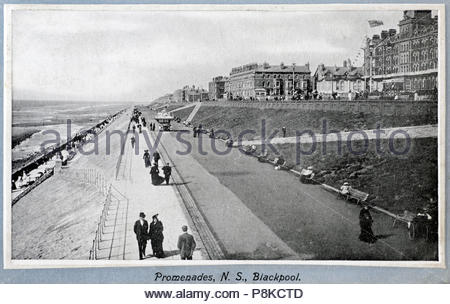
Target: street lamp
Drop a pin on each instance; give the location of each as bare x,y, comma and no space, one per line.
293,80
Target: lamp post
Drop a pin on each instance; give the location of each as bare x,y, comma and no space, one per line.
293,81
370,67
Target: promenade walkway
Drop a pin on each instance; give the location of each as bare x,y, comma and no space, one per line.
413,132
132,193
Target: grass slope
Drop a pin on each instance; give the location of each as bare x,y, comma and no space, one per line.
236,120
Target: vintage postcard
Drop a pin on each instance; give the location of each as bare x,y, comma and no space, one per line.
147,135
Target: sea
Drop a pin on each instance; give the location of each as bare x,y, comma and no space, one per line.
40,116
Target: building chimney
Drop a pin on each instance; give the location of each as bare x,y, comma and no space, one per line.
282,65
307,66
345,63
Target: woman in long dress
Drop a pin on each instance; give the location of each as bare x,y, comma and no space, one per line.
156,178
157,237
365,223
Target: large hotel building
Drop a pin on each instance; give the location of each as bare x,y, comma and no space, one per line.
404,61
264,80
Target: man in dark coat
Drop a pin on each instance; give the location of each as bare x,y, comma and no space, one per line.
186,244
141,231
156,157
167,172
365,223
157,237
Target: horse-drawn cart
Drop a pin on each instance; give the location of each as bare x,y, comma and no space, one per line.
164,119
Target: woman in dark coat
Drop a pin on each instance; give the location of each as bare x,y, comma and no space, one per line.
365,222
147,159
156,178
157,237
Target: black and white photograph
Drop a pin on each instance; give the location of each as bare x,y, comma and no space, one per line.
154,135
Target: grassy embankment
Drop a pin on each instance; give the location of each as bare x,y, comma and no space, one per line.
394,182
236,120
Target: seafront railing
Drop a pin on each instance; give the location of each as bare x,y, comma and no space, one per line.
93,253
89,176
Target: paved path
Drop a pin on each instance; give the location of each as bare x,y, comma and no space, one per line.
133,193
194,111
413,132
184,107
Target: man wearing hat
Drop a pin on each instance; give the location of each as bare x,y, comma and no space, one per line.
167,172
141,230
186,244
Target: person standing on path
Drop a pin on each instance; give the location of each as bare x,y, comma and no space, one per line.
157,237
365,223
167,172
186,244
156,157
284,131
141,231
147,159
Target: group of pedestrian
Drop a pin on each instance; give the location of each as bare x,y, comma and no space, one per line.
197,130
152,126
154,233
154,170
156,178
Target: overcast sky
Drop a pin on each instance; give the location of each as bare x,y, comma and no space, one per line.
141,55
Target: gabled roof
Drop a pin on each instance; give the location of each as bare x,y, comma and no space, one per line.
339,71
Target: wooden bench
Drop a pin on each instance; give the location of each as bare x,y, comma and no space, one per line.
357,195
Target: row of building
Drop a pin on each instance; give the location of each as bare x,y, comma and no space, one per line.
185,94
394,63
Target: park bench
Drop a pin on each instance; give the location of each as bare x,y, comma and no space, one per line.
357,195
